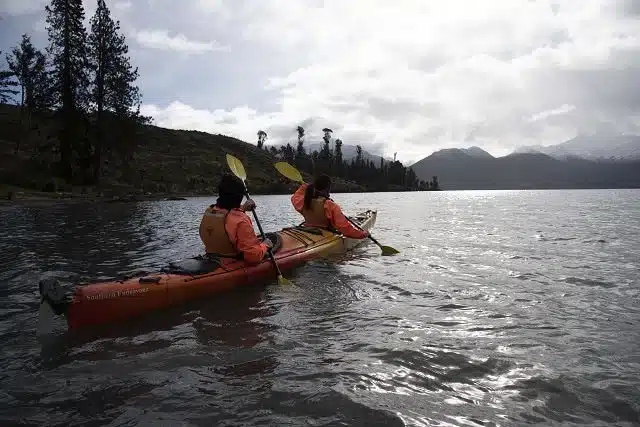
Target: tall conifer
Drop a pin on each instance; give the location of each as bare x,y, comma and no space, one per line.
113,78
69,77
29,66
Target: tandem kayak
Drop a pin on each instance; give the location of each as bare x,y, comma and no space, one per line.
188,279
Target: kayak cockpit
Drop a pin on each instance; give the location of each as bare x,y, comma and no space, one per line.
193,266
205,264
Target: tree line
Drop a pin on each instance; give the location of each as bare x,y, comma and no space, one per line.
381,176
86,80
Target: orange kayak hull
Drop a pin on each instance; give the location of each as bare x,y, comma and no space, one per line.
117,300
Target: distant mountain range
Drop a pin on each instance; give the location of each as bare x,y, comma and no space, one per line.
596,146
583,162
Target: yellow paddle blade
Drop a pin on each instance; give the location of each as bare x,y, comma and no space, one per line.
388,250
284,281
236,167
289,171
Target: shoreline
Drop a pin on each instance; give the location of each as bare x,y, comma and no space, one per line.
34,200
23,196
77,199
40,198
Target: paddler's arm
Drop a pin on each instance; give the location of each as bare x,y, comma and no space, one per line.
297,200
248,243
340,222
248,205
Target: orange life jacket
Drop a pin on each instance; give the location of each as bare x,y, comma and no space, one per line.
315,215
213,232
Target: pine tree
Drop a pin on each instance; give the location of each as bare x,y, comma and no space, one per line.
412,179
6,83
359,159
302,158
337,157
300,151
29,66
42,96
113,79
68,50
434,183
20,65
288,153
102,63
70,81
126,97
325,152
262,136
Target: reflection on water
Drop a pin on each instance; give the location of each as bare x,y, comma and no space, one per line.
503,308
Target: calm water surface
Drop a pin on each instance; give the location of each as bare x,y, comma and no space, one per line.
504,308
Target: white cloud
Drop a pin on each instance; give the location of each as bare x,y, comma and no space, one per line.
563,109
160,39
21,7
241,122
416,76
122,5
40,26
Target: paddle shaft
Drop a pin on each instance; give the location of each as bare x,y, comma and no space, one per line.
255,216
370,236
237,168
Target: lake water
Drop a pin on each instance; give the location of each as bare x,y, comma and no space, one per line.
504,308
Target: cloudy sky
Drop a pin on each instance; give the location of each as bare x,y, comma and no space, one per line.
406,76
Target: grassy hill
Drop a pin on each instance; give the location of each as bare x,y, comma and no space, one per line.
158,162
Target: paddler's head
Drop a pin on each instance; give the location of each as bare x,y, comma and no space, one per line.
321,187
230,192
322,184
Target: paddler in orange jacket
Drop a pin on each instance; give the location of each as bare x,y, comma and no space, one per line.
225,228
314,203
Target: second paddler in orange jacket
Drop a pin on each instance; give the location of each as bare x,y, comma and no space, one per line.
226,230
313,201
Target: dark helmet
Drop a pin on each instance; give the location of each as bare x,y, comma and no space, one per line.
231,185
321,187
231,190
322,183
